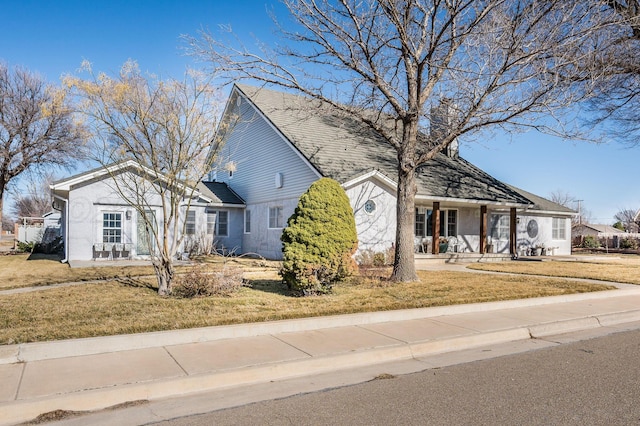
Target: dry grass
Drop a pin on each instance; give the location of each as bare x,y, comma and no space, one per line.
33,270
116,308
26,270
625,269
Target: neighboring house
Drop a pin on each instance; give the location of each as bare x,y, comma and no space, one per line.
98,223
607,235
279,144
583,230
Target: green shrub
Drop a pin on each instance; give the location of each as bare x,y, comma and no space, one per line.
629,243
319,240
26,247
590,241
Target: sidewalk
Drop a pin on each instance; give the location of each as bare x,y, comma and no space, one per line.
95,373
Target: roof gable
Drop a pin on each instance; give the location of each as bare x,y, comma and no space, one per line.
220,193
344,149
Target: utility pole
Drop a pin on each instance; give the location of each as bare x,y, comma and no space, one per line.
579,212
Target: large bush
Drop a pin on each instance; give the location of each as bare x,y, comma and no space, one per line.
319,240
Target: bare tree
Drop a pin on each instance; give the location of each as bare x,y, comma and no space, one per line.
387,63
628,219
33,197
568,200
161,136
616,94
36,126
7,223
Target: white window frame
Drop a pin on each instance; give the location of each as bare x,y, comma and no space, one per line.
212,218
190,221
427,215
558,228
247,221
115,238
213,227
276,215
501,228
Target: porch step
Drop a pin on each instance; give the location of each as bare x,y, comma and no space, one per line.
461,257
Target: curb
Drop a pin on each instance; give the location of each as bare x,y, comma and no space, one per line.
90,400
96,399
29,352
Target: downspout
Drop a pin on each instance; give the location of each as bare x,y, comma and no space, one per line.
66,226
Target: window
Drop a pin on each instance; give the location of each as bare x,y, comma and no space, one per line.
419,232
448,223
500,227
369,206
275,217
218,223
559,228
112,227
452,223
222,223
247,221
211,223
190,228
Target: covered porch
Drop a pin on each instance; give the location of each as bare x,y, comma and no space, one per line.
463,231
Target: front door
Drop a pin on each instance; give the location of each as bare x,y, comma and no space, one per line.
143,248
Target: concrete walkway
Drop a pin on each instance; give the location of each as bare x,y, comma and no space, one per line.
95,373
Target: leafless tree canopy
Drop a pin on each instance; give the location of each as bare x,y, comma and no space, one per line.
33,197
36,126
627,218
569,200
387,63
167,128
616,101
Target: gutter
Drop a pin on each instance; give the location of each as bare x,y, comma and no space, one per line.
66,226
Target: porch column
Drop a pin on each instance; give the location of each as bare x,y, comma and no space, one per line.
435,221
512,232
483,229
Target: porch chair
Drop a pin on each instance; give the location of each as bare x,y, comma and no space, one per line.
452,245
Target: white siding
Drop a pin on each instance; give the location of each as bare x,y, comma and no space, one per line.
262,240
544,235
259,152
376,230
87,204
468,229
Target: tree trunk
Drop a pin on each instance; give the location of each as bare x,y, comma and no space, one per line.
2,187
164,274
404,266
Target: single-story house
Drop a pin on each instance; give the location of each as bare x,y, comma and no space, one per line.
276,146
279,144
607,235
98,223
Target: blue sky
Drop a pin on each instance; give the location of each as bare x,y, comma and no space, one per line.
53,37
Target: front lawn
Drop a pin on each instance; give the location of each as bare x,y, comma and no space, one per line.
26,270
622,269
111,307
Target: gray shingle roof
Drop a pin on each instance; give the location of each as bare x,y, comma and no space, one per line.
543,204
605,229
343,149
219,192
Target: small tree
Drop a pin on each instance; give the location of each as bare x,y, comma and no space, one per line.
320,239
167,127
